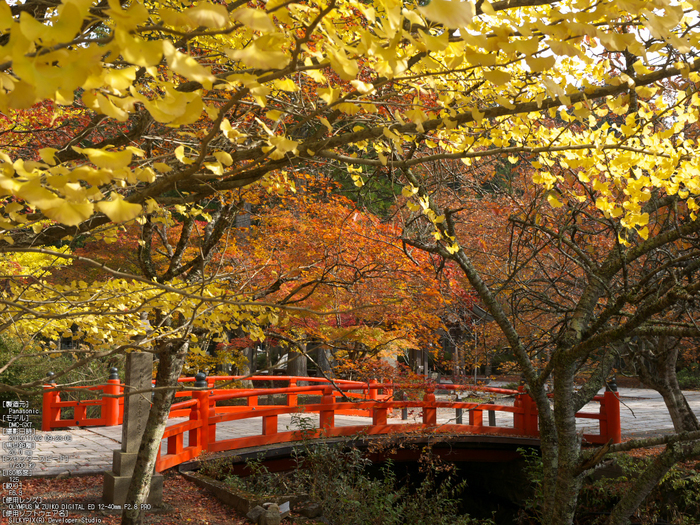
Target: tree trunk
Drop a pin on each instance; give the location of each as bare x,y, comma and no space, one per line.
296,364
247,366
658,370
567,484
322,360
170,366
649,479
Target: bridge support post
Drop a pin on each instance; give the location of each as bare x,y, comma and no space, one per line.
49,412
611,408
529,415
459,413
292,398
404,410
518,416
476,417
327,417
269,425
429,413
379,416
110,405
252,401
372,393
199,437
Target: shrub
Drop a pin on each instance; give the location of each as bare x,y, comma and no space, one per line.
349,495
689,377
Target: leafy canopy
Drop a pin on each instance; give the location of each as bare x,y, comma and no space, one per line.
216,97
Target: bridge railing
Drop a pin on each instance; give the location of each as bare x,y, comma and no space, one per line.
62,413
205,413
111,406
207,406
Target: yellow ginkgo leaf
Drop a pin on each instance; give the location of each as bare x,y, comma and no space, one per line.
498,78
286,84
274,114
111,160
68,213
538,64
255,19
224,158
48,155
36,195
187,66
450,13
255,57
362,87
553,201
180,155
208,15
162,167
346,68
118,210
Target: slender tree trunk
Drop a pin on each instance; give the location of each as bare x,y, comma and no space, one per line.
247,366
649,479
658,371
169,369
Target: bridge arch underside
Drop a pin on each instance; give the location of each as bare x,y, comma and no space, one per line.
456,448
491,466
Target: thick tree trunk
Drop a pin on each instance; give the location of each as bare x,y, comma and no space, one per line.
323,360
561,507
247,366
658,371
296,364
169,369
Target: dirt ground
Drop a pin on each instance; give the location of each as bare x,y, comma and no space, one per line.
184,502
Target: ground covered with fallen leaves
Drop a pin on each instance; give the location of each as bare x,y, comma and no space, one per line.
184,502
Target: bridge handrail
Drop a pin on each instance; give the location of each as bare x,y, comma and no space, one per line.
214,379
112,405
524,412
375,399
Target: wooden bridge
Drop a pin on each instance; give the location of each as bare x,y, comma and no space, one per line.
207,406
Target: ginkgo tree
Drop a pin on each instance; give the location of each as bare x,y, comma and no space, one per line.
191,100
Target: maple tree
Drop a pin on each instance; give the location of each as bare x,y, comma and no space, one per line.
188,103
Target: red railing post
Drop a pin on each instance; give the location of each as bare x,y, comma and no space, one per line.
212,413
379,416
429,413
529,416
50,413
269,425
110,405
611,407
292,398
252,401
199,437
518,419
327,417
476,417
372,393
389,395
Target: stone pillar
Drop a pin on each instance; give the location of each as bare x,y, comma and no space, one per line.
139,369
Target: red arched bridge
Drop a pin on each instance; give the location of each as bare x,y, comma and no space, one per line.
208,406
